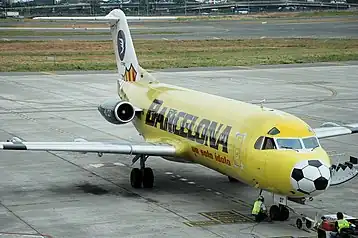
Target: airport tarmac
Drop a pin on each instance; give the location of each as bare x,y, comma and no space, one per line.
200,29
48,194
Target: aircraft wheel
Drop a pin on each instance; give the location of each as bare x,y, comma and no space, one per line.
284,213
148,178
233,180
136,178
299,223
275,213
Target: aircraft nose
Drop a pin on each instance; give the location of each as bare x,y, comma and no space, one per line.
310,177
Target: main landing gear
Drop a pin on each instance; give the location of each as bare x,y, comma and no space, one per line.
143,176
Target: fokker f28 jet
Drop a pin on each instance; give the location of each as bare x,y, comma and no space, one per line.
265,148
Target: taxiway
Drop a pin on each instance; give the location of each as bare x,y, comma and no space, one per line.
325,27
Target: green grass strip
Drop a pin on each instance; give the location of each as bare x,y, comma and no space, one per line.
161,54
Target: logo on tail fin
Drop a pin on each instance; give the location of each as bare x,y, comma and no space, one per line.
121,44
130,74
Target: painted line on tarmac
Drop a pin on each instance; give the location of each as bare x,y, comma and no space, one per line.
49,73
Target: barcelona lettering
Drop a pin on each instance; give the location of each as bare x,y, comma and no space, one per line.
203,131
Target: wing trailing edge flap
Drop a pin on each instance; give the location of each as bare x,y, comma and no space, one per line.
84,146
345,172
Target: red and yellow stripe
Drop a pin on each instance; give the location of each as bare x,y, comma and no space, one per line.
130,74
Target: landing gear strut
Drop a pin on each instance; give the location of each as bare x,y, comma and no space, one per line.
143,176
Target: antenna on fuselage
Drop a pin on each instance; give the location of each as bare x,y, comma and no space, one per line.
262,103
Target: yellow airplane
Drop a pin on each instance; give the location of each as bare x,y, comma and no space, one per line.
262,147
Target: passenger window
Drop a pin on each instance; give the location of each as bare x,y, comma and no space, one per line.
258,143
269,144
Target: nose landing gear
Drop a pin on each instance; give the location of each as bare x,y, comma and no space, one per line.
143,176
279,213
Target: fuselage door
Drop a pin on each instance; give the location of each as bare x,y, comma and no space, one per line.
239,149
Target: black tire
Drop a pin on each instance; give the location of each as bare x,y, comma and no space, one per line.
284,213
148,178
233,180
274,213
299,223
136,178
308,224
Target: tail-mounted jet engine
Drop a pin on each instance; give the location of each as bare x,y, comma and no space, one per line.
117,112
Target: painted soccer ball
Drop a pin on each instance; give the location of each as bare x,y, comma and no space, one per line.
310,177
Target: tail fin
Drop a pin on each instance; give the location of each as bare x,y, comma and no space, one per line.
126,58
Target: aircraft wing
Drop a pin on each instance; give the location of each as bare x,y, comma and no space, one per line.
84,146
332,129
344,172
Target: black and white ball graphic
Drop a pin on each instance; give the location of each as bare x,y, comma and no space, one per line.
310,177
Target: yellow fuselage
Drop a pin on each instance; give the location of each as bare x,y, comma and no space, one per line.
220,133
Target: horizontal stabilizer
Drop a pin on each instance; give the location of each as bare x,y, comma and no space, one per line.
108,18
344,172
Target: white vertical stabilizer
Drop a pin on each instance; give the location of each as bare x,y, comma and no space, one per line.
126,58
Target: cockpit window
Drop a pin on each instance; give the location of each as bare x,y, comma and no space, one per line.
258,143
310,142
269,144
274,131
289,143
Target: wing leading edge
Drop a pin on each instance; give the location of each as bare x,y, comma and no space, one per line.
92,147
331,130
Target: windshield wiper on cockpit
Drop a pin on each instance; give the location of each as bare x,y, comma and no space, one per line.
314,147
289,147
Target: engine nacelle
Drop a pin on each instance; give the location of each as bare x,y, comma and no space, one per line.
117,112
